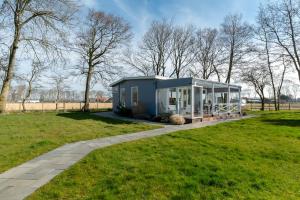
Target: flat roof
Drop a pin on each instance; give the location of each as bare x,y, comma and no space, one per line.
216,82
138,78
167,78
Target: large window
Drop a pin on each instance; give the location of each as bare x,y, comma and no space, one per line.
175,100
122,96
134,96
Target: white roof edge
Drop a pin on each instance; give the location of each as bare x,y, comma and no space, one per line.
166,78
216,82
138,78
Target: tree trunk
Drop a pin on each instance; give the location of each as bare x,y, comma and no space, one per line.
262,104
230,66
86,107
8,78
57,99
270,70
278,101
23,105
27,95
10,68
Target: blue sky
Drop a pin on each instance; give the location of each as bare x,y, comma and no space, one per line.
201,13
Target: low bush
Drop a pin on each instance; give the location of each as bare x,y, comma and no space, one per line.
123,111
142,116
177,119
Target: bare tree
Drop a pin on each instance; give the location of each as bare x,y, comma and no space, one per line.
135,60
32,24
281,78
58,81
257,77
181,50
2,71
156,46
206,51
274,58
97,44
31,80
282,22
236,37
295,88
19,92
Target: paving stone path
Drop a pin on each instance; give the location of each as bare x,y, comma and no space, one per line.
21,181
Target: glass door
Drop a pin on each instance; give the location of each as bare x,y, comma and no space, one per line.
198,101
184,104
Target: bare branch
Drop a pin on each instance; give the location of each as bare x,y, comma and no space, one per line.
97,45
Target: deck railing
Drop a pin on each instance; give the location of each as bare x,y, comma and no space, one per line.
221,108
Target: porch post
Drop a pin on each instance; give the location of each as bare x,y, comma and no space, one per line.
240,101
192,90
156,102
201,101
177,101
228,100
213,100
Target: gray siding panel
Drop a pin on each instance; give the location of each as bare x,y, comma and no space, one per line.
174,83
146,94
115,97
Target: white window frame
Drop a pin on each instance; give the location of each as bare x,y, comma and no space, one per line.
137,96
124,100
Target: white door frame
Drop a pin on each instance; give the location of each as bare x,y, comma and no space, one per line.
193,101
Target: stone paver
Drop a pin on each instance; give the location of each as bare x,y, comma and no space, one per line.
21,181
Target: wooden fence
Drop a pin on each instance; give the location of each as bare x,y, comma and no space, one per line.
270,106
15,107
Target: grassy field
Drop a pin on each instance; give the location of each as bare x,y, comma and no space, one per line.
257,158
25,136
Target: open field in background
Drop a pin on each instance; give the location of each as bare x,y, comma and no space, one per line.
24,136
256,158
15,107
269,107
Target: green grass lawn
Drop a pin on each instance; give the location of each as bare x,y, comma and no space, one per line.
25,136
257,158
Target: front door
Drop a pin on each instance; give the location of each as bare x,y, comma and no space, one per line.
197,101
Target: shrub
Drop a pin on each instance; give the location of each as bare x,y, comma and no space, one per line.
165,117
123,111
138,109
177,119
156,119
142,116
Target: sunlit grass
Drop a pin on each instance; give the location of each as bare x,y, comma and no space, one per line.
25,136
257,158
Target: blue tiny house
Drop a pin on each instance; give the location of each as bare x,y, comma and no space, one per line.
192,98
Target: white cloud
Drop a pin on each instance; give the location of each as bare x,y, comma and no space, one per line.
89,3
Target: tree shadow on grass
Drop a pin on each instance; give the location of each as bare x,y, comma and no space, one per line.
90,116
284,122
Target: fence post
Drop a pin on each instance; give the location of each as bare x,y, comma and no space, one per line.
251,106
289,105
269,107
42,106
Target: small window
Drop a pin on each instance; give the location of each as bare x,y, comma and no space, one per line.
134,96
122,97
172,96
